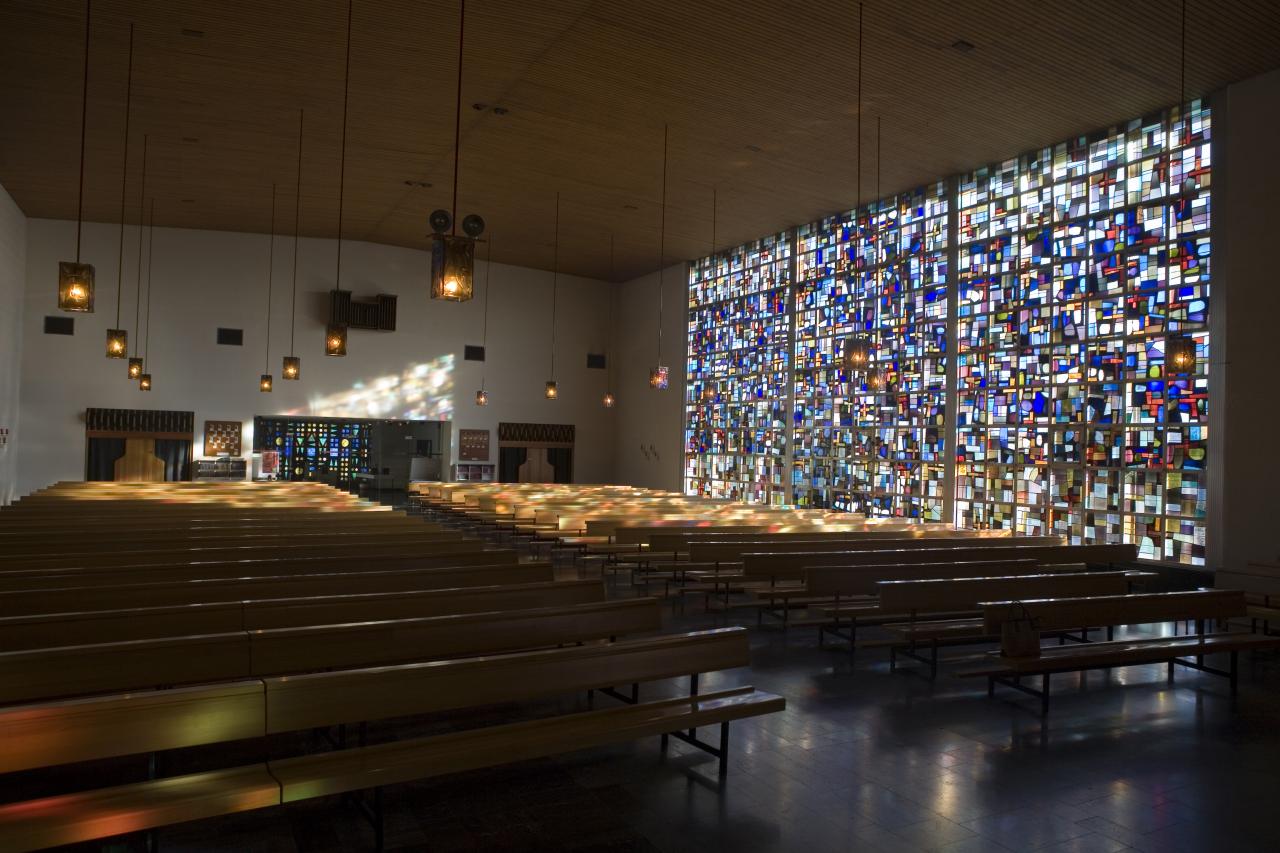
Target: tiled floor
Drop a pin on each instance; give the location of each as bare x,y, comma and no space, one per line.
862,760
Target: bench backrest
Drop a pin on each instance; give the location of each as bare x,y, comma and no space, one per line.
82,670
73,730
733,550
46,545
161,593
147,623
959,594
465,554
1265,585
792,564
1142,608
862,580
635,532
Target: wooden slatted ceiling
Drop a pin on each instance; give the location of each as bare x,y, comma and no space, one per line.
760,97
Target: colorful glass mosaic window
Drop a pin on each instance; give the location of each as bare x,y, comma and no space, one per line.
738,373
877,274
1075,262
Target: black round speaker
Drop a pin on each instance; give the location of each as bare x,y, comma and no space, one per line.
440,221
473,225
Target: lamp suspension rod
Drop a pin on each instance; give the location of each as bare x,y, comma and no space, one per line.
342,162
297,209
84,121
151,243
137,302
858,201
555,281
457,117
271,257
662,237
124,176
484,334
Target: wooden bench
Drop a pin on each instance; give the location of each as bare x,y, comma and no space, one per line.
146,623
1201,607
1261,585
963,595
82,730
34,674
162,593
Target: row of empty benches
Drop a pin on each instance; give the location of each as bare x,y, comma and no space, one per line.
136,620
923,588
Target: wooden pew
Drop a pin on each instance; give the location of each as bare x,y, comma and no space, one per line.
35,674
1261,585
163,593
47,547
146,623
138,723
454,554
1200,606
959,595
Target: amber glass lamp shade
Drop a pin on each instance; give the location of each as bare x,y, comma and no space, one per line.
551,392
1179,355
857,354
658,378
135,368
264,383
453,265
144,382
75,287
482,398
117,343
609,400
876,380
292,368
335,340
708,394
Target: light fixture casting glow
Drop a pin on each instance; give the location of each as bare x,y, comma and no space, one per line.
609,400
658,378
135,368
551,392
264,383
482,398
75,287
335,340
144,382
1179,355
292,368
117,343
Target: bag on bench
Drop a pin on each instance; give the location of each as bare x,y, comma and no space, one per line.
1020,638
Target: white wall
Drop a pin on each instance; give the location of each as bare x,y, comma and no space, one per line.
13,250
648,418
207,279
1245,463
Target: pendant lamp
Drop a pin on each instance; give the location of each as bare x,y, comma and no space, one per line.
291,368
453,257
75,279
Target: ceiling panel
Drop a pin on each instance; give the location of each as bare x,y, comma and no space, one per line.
760,98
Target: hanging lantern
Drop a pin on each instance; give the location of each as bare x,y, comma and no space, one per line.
135,368
335,340
292,368
117,343
551,391
453,262
264,383
144,382
658,378
482,397
857,354
876,380
1179,355
708,394
75,287
608,400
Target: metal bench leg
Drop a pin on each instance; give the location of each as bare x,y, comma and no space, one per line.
991,687
1044,695
1171,668
378,821
724,745
1234,674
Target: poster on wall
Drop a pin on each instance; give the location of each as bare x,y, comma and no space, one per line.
222,437
473,445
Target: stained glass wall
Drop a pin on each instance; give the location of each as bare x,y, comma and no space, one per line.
1063,273
1074,262
738,373
326,449
879,273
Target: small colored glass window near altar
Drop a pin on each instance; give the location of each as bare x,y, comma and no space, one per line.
325,449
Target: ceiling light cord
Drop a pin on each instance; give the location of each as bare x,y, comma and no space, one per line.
342,162
297,210
858,200
457,118
124,177
555,281
151,243
142,192
271,266
484,334
662,238
84,122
